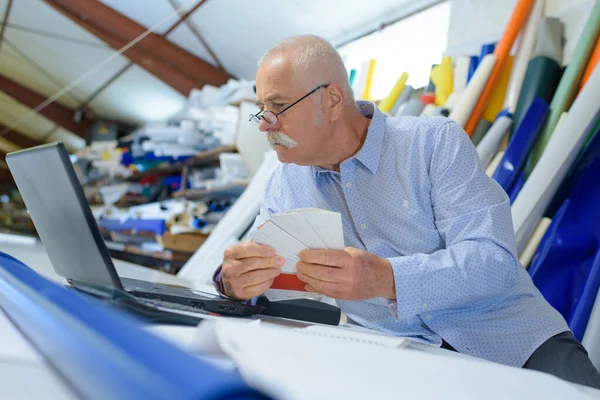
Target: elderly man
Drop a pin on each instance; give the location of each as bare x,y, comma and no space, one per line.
431,251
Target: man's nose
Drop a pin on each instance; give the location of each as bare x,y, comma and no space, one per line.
264,126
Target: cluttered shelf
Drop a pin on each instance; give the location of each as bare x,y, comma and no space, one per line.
158,191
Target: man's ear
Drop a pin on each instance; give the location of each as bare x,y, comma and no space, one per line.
336,100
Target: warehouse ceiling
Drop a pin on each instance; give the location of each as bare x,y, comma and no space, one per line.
65,50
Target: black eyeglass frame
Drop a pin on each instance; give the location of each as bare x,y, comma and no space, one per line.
260,115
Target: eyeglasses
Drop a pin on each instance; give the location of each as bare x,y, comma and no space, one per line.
271,118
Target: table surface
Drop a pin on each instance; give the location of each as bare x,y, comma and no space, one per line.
20,363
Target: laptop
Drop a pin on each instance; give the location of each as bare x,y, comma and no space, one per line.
68,230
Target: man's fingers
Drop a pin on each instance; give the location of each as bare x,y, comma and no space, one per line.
257,290
313,289
246,250
327,288
333,258
258,277
247,265
320,272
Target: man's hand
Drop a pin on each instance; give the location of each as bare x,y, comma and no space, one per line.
349,274
249,269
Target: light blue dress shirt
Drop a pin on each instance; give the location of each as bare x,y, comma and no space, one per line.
417,195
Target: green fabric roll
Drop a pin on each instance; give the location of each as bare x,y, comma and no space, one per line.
480,130
541,80
352,77
569,83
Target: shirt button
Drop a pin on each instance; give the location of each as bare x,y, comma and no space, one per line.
363,226
425,306
429,317
348,185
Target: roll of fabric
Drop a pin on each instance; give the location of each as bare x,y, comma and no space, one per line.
563,147
461,73
461,111
496,101
473,64
494,164
520,144
442,77
404,97
549,39
366,95
352,77
541,80
594,59
533,244
428,110
440,112
482,128
414,107
488,146
515,23
569,83
361,80
523,56
387,104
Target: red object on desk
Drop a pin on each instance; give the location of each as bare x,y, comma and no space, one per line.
288,282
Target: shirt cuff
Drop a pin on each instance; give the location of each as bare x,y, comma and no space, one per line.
409,288
218,282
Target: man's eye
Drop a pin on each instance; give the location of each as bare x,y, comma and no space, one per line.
278,105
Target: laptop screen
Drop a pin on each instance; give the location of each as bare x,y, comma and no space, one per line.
62,216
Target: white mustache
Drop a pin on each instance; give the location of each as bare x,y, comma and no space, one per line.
276,137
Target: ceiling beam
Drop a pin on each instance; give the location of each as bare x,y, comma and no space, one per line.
19,138
124,30
5,20
55,112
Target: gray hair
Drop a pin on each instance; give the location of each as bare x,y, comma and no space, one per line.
314,62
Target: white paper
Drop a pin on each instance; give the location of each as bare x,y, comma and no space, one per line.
284,244
298,364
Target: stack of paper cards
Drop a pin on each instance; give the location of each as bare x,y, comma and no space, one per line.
292,231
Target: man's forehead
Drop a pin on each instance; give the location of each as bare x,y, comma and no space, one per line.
274,78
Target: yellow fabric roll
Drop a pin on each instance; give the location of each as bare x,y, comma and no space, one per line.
386,104
442,76
366,95
497,97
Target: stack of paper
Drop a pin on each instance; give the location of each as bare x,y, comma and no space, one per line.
292,231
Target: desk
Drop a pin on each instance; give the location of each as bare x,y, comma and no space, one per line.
21,364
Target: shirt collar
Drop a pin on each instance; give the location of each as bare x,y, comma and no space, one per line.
370,153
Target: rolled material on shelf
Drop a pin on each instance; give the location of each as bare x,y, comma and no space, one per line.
482,128
428,110
404,97
387,104
554,164
488,146
414,107
494,164
594,59
549,39
516,22
521,61
473,64
520,144
430,88
453,100
567,88
427,98
468,98
461,73
361,80
533,243
487,48
352,77
516,187
442,76
541,80
366,95
440,112
499,92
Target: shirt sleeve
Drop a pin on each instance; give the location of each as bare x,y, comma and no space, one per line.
472,214
266,210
